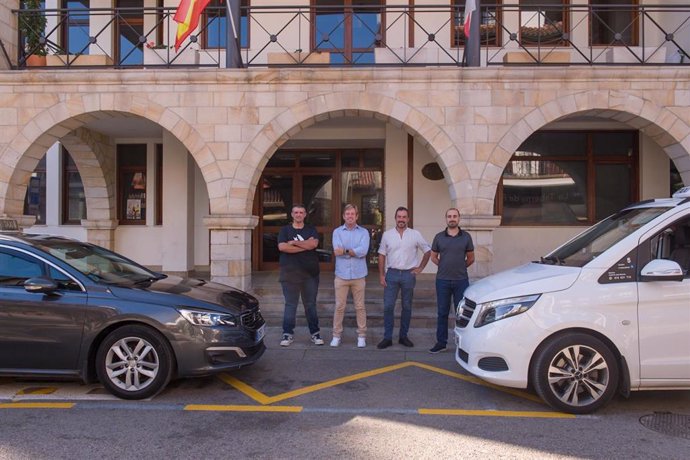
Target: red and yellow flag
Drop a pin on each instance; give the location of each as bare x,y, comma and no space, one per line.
187,18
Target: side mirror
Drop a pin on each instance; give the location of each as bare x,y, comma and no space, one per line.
40,285
661,270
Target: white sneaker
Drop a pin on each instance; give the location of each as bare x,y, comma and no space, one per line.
335,342
286,341
361,342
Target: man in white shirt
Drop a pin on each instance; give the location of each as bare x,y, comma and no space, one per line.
398,267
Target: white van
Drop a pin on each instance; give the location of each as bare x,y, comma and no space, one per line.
609,310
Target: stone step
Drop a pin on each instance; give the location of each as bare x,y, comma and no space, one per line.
268,290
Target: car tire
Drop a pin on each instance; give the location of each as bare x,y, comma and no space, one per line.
575,373
134,362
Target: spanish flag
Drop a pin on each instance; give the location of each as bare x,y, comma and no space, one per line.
187,18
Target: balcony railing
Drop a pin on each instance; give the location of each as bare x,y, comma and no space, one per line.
402,35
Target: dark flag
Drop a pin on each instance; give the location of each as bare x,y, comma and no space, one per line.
472,33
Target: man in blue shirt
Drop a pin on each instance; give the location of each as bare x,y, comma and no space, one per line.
350,246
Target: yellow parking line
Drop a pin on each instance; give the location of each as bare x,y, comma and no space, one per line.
264,399
237,408
37,391
494,413
36,405
478,381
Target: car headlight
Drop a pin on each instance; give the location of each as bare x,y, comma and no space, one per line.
207,318
504,308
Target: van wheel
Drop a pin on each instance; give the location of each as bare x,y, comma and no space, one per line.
134,362
575,373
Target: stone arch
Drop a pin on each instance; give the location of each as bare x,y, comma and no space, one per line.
662,125
23,152
93,154
366,105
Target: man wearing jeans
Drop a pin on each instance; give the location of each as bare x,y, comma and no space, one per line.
452,250
350,246
299,274
398,257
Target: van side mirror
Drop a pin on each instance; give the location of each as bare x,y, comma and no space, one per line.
42,285
661,270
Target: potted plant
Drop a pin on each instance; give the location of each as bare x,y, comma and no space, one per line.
32,27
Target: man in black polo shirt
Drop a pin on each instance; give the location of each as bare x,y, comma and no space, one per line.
453,251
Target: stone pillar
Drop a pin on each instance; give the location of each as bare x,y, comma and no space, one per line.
481,227
23,222
231,248
100,232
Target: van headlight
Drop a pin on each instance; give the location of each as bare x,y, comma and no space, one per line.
504,308
207,318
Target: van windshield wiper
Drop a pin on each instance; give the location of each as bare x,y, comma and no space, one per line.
552,260
150,279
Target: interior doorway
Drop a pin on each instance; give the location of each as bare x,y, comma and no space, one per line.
323,181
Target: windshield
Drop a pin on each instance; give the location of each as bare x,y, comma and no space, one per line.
600,237
97,263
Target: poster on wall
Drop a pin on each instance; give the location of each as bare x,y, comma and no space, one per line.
133,209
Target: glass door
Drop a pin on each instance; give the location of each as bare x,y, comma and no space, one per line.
323,181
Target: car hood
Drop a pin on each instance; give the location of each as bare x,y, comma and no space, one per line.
531,278
190,292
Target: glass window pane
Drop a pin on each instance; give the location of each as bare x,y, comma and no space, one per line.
282,159
329,27
545,192
613,143
269,247
554,144
611,17
131,155
35,201
76,200
77,23
317,159
541,21
317,192
349,159
13,266
612,189
276,195
373,158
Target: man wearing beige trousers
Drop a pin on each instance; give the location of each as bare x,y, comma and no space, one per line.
350,246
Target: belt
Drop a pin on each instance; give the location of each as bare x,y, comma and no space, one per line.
401,269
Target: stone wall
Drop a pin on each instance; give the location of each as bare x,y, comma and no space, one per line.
232,121
8,33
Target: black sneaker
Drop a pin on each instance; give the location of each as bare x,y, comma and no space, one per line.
438,348
406,342
385,343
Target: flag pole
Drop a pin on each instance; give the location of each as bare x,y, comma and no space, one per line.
233,55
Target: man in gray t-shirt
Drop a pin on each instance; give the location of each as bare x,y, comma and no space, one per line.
453,251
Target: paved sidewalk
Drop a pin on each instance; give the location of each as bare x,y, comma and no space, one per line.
422,338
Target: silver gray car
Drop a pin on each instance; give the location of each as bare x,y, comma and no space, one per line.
73,309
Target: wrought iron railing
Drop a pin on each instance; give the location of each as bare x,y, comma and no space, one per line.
392,35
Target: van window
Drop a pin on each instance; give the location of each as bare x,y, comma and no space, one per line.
600,237
672,243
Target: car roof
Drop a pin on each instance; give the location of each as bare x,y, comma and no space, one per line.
32,238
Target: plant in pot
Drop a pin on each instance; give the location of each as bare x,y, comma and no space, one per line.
32,26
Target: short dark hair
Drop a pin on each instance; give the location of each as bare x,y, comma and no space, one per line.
402,208
298,205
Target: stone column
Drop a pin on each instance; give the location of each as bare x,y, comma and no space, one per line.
8,32
481,227
231,248
100,232
23,222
